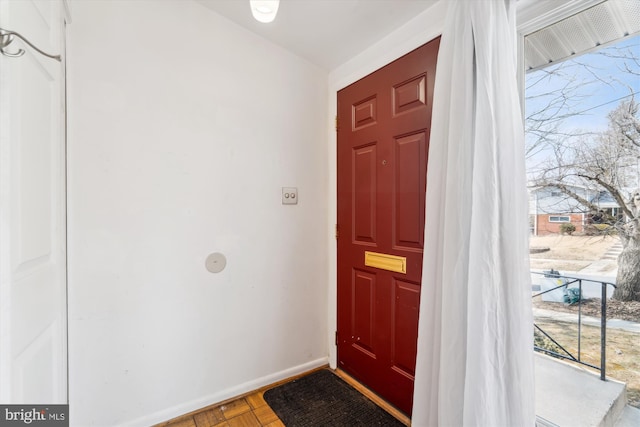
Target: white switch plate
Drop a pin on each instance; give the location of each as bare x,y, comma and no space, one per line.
289,196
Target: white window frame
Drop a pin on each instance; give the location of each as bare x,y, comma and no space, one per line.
533,15
568,219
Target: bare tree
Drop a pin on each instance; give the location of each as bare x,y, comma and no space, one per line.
606,162
624,135
553,104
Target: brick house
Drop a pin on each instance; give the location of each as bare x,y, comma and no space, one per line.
549,208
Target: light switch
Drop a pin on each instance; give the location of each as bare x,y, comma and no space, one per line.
289,196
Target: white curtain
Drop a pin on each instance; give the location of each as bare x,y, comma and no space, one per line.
475,342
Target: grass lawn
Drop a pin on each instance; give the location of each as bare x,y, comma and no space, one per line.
571,253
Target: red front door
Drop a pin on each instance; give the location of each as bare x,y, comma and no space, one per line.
383,135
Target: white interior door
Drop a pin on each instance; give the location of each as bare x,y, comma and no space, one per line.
33,313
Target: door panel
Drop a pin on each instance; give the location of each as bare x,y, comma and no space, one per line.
33,320
364,113
383,133
410,179
363,311
364,193
404,327
409,95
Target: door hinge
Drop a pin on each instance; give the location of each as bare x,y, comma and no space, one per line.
336,123
336,337
337,232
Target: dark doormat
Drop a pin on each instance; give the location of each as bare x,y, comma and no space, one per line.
324,399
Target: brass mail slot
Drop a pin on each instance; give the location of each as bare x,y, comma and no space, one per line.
386,262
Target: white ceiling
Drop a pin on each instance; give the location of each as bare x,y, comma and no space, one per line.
330,32
588,30
326,32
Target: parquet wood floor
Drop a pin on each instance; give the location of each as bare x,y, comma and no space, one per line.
251,410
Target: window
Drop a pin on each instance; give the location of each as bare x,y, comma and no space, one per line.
557,218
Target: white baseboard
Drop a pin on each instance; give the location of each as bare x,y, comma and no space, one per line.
222,395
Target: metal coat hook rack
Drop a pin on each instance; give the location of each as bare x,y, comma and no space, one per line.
6,37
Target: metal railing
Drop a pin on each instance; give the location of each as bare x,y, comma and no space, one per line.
566,281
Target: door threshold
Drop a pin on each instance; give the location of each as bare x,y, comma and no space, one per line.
369,394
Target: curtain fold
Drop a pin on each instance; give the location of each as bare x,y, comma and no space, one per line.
475,343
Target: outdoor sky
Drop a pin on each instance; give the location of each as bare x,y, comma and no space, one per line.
599,88
591,92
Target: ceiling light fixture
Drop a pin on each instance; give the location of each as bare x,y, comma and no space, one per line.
264,10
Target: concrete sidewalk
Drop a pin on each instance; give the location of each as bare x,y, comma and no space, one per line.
603,266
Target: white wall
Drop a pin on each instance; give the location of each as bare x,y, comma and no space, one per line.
420,30
183,128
